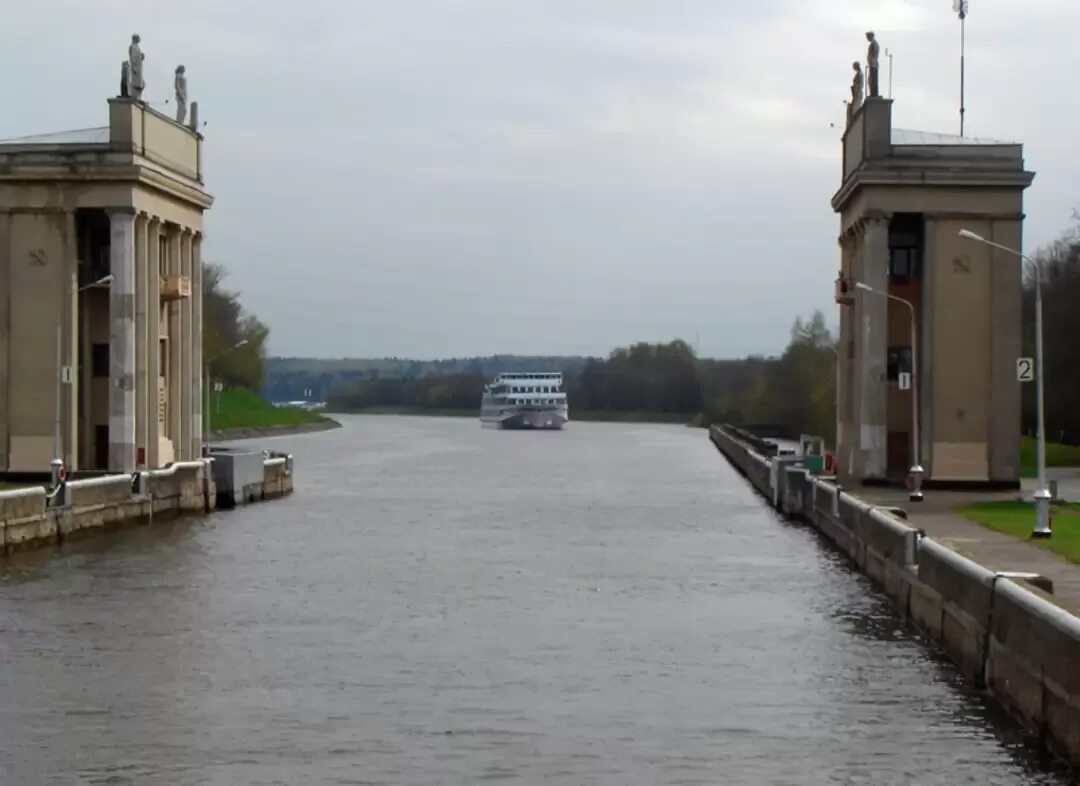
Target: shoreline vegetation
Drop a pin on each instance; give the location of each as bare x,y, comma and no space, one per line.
594,416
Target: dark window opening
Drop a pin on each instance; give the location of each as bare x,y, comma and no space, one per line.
905,247
899,362
99,360
903,263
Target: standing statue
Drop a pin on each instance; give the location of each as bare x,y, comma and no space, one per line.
124,91
872,53
135,68
180,85
856,87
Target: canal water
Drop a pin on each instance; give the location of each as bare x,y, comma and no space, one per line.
439,603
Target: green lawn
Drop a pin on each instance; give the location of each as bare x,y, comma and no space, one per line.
1018,518
1057,455
242,408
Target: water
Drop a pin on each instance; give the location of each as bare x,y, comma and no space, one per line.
439,603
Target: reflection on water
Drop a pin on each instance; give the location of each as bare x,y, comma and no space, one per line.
439,603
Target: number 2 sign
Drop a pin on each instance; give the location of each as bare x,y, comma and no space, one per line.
1025,369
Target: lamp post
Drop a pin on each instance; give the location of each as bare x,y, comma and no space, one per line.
57,464
206,393
836,400
1042,494
916,471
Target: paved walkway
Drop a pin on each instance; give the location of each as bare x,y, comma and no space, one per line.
997,551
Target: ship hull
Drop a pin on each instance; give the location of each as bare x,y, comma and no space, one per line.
528,420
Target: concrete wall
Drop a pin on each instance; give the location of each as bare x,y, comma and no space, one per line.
1002,635
29,518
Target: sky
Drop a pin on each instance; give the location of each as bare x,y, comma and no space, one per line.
434,178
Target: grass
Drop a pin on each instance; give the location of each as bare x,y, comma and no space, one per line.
1017,519
242,408
1057,455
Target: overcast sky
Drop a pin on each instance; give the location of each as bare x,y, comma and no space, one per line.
454,177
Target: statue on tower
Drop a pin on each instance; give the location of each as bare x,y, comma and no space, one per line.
180,85
872,54
856,87
135,69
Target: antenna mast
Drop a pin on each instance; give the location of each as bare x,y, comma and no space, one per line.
888,54
961,9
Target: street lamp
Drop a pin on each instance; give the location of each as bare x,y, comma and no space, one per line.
1042,494
206,393
57,464
916,469
836,401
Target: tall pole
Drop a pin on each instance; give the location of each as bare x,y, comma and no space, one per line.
963,24
206,391
888,54
206,409
57,462
1042,494
916,465
836,404
916,470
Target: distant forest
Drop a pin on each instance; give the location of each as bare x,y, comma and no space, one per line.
296,379
663,381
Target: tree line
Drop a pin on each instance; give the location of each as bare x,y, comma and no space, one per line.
795,391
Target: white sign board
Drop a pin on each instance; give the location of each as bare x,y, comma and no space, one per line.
218,387
905,380
1025,369
65,374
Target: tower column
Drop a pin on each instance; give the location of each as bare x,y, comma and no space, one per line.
873,328
175,425
142,390
122,341
197,343
183,445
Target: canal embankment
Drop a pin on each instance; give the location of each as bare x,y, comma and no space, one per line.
33,517
994,621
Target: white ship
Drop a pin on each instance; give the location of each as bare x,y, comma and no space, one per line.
525,401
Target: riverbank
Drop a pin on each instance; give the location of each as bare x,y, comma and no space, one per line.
988,613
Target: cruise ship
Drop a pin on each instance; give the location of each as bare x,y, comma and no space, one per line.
525,401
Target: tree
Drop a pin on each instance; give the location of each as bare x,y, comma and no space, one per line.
226,324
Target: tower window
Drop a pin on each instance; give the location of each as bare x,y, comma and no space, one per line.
903,263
